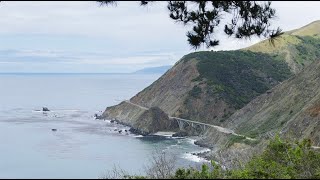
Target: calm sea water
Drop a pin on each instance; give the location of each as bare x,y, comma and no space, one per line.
82,147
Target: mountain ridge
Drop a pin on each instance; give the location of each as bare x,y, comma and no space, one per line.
153,70
311,29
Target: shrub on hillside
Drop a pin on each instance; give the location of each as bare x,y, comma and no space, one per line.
280,159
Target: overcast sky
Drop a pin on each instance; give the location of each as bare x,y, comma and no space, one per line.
84,37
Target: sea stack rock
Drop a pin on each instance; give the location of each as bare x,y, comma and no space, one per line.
45,109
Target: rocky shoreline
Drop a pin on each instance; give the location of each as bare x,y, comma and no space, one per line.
201,154
204,155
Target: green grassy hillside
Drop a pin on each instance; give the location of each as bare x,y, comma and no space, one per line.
299,47
238,76
228,80
312,29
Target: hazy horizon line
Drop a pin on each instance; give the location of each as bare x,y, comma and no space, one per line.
61,72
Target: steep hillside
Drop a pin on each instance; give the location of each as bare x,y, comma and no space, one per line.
298,47
312,29
210,86
291,109
228,80
170,90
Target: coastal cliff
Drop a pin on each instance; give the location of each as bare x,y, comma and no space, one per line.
255,91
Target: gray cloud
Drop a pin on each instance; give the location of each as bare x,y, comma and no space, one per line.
82,36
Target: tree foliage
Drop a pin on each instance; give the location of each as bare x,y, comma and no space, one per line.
283,160
249,18
280,160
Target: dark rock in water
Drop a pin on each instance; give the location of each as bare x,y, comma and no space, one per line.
180,134
115,130
53,129
112,121
120,131
98,116
126,130
204,144
137,131
45,109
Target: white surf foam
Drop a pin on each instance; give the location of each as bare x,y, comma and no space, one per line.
138,136
194,158
164,133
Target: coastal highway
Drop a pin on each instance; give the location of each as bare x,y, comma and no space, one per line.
219,128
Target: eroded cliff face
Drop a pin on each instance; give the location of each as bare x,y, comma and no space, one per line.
172,93
142,121
124,112
211,86
291,109
154,120
170,90
168,94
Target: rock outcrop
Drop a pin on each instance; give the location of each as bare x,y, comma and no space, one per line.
154,120
141,121
45,109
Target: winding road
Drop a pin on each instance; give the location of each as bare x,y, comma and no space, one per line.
219,128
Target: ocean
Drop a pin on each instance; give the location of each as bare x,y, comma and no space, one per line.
82,147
